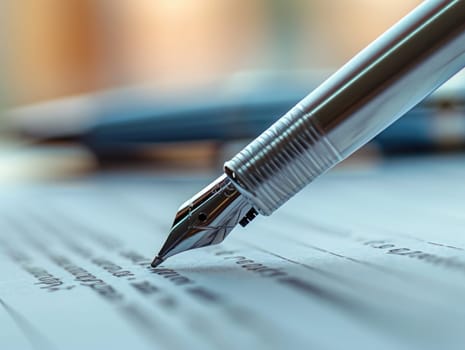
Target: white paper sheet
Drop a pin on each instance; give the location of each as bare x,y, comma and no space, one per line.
367,259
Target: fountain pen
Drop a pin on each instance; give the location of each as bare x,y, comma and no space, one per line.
371,91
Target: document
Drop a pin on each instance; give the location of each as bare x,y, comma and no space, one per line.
362,258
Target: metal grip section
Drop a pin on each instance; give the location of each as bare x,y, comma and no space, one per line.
282,160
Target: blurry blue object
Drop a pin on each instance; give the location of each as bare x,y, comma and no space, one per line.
436,124
128,125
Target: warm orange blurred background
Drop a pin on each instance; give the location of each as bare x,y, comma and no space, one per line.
55,48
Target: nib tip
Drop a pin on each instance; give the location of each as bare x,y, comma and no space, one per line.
156,261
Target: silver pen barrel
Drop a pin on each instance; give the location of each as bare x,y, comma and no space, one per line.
370,92
365,96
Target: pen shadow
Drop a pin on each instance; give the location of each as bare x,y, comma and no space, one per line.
246,272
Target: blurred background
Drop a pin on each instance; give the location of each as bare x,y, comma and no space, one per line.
61,59
54,48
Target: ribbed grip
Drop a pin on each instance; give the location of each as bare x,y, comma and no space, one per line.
281,161
362,98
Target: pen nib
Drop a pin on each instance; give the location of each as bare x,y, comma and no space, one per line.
156,261
206,219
